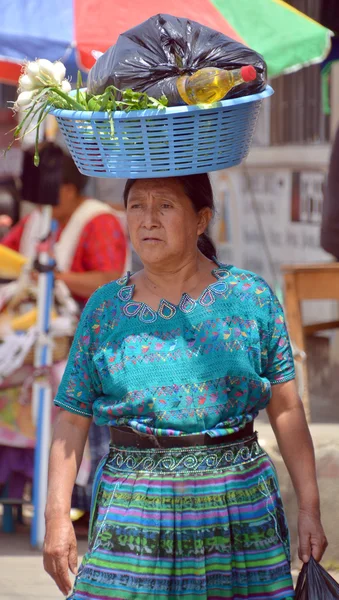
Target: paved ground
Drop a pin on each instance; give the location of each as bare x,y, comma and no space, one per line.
21,572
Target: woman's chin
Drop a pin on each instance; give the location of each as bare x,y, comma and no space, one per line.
152,253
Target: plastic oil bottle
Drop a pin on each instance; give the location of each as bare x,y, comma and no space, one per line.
211,84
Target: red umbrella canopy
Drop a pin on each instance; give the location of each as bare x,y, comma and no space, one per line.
77,28
107,21
30,30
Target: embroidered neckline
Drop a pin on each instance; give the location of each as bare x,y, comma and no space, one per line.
166,309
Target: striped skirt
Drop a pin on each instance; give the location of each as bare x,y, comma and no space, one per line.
195,523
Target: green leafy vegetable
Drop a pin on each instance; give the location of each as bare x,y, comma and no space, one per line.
110,101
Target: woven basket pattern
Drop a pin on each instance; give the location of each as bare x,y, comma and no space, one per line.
176,141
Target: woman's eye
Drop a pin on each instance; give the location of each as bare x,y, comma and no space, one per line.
135,206
166,205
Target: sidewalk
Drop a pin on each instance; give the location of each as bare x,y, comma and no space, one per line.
22,574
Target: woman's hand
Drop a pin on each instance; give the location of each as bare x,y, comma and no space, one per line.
60,552
312,539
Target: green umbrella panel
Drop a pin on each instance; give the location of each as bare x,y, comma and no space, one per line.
287,38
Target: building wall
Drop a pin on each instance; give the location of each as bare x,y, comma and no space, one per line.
269,208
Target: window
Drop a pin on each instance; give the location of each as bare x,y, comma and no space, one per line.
296,110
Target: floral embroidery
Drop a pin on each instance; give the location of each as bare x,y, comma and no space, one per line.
187,304
207,365
131,309
166,309
126,293
147,315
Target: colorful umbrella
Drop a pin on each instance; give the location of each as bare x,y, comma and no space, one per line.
74,30
287,38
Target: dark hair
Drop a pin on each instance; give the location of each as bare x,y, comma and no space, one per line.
71,175
41,184
199,190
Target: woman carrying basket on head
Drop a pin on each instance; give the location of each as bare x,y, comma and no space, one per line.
178,359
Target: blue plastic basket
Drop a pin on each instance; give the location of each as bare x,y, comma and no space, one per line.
176,141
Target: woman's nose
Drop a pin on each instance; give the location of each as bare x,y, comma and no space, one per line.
151,217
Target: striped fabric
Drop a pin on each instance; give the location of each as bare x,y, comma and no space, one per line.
195,523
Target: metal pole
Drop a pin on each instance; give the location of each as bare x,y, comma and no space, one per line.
42,393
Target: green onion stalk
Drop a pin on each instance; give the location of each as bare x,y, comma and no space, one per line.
43,85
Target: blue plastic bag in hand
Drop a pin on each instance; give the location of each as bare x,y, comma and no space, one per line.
314,583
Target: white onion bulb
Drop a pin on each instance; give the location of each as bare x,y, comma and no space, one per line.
66,86
46,68
59,71
27,83
24,99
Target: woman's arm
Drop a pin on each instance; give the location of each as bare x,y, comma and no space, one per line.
85,284
104,249
287,417
60,548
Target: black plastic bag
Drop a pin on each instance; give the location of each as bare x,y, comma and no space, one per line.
151,56
314,583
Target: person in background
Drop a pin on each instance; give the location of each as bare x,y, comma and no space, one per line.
91,250
9,205
91,247
329,238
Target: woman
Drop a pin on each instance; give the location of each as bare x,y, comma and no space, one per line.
178,359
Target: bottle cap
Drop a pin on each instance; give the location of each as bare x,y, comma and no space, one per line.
248,73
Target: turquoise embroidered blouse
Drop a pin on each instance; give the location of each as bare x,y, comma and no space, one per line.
206,365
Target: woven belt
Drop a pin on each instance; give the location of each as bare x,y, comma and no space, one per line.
127,438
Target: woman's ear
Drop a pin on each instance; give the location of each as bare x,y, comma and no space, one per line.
205,216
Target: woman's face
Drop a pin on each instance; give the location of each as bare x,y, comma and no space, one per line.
163,225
